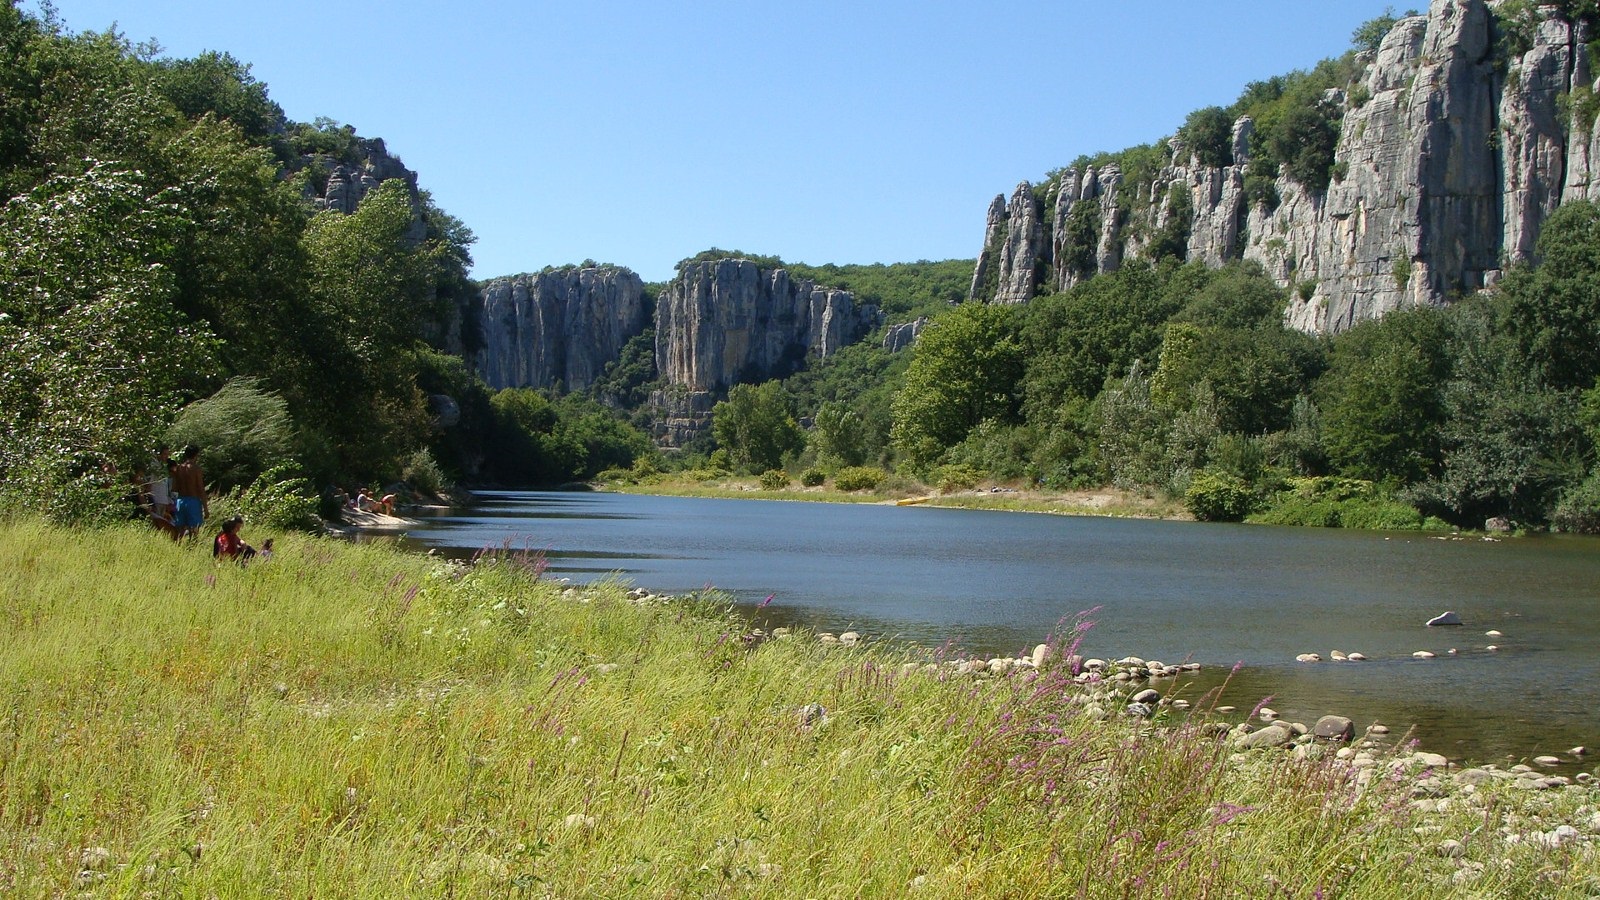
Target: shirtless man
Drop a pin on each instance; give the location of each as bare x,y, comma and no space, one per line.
189,484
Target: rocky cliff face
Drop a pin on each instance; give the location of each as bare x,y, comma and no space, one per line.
557,327
726,322
1447,165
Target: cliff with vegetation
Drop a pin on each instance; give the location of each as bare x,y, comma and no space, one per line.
1408,173
724,322
557,328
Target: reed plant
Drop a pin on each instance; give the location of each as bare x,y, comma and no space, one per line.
348,720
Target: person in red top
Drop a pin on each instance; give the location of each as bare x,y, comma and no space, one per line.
229,545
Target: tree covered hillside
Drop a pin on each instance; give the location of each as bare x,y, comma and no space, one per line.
162,239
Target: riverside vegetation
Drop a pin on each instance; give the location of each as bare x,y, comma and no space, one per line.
352,720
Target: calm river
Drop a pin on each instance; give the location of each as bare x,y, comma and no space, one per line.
1220,595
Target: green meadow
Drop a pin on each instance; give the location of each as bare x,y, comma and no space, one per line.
350,720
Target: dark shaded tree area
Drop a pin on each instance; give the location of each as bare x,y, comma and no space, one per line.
155,245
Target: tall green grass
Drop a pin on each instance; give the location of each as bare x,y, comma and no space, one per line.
351,721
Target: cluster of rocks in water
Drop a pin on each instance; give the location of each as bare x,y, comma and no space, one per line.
1130,688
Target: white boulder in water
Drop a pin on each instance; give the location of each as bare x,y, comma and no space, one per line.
1445,618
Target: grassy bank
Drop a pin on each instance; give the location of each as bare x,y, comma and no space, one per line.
347,720
1104,502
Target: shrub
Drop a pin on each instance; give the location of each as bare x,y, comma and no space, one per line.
242,431
813,477
1218,497
1379,515
774,480
951,478
858,478
1289,509
421,471
1579,509
275,499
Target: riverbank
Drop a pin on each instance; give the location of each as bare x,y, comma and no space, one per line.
347,719
1105,501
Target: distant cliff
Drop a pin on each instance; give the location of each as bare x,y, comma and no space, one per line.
719,323
726,322
557,327
1451,153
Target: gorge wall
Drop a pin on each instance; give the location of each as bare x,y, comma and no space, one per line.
1449,159
719,323
560,327
729,321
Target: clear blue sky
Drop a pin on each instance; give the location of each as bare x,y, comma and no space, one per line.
639,133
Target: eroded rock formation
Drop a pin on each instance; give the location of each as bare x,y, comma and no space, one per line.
559,327
726,322
1445,169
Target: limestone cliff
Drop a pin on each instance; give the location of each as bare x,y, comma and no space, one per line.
726,322
1450,156
559,327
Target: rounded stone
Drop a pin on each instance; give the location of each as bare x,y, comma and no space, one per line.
1423,654
1308,658
1358,657
1334,728
1148,695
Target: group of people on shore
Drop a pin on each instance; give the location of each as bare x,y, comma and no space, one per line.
172,495
364,501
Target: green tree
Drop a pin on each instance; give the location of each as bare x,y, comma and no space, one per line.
966,368
1382,399
242,430
219,85
839,436
1075,342
1553,311
1254,373
1509,442
93,355
756,426
370,283
1208,134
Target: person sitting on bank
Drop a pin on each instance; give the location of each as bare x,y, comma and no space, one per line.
228,544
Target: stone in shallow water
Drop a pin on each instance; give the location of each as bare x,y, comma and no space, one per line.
1445,618
1148,695
1334,728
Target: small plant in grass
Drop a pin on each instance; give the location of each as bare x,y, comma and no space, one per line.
774,480
858,478
813,477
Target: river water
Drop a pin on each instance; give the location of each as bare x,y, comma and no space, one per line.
1220,595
